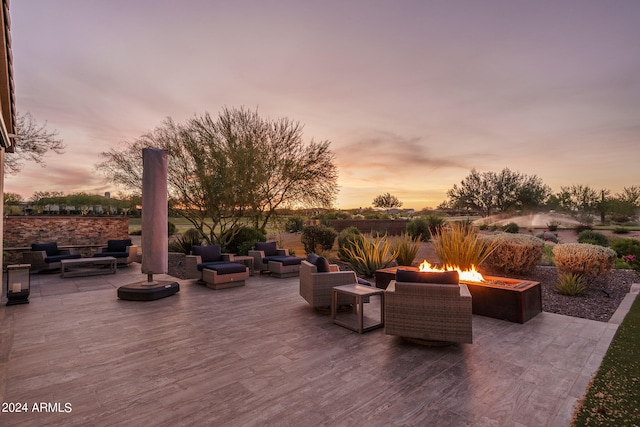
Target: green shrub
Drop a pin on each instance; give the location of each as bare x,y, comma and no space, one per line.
294,224
406,248
461,246
419,227
347,238
370,254
553,225
621,264
581,227
621,230
512,227
628,250
245,239
171,228
314,236
514,253
571,284
593,237
186,241
435,223
547,253
547,237
589,261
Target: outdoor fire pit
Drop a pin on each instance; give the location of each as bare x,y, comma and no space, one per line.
502,298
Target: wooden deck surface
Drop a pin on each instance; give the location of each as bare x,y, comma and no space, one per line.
259,355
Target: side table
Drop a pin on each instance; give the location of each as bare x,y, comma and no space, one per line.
359,292
246,260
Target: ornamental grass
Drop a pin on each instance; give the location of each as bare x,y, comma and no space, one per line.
461,246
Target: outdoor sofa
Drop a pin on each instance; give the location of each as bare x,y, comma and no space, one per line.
46,256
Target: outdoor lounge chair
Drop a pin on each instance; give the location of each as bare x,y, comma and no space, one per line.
46,256
122,250
267,257
317,279
215,269
428,308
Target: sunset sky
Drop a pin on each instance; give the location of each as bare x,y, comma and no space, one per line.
411,94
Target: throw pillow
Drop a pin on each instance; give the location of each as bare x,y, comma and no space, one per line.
269,248
322,265
444,278
208,253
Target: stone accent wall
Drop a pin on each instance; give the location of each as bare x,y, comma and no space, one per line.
393,227
84,233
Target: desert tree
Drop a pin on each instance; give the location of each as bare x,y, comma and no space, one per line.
578,199
33,142
225,170
386,201
487,192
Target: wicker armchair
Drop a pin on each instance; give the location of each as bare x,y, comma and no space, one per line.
267,257
216,270
316,288
428,313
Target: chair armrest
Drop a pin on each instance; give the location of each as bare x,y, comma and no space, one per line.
334,268
35,258
191,266
464,291
228,257
392,287
64,251
283,252
258,256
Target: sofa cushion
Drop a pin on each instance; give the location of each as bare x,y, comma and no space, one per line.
58,258
118,245
224,267
411,276
322,265
50,248
208,253
282,259
269,248
312,258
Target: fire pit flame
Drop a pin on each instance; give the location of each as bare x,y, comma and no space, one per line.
472,275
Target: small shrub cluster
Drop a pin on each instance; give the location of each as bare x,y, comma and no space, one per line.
171,228
347,238
628,252
461,246
512,228
419,228
547,253
244,240
581,227
294,224
593,237
514,253
589,261
314,236
621,230
370,254
553,225
406,248
435,223
547,237
186,241
571,284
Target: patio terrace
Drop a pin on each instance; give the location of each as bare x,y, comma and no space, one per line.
259,355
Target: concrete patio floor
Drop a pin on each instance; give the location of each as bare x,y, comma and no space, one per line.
259,355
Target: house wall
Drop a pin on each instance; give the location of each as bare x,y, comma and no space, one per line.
85,234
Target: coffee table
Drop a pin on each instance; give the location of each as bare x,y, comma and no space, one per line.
87,266
360,293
